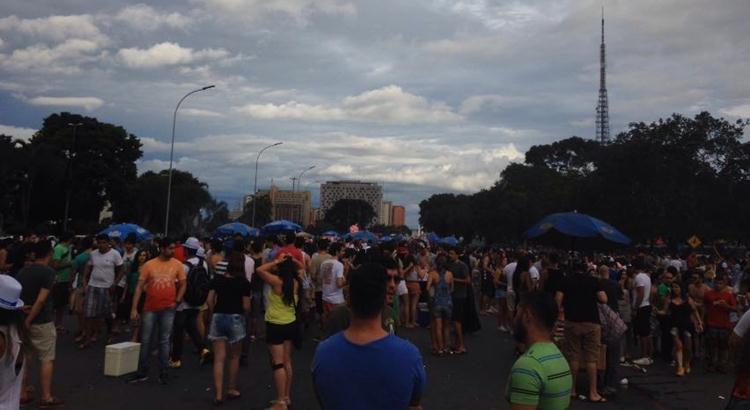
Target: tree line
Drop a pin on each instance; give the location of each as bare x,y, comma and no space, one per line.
671,179
94,165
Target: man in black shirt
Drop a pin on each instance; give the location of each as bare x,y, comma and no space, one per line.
578,297
37,280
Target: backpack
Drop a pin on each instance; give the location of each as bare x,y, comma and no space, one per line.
198,281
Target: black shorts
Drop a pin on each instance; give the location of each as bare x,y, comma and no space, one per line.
60,295
459,307
642,321
488,287
278,334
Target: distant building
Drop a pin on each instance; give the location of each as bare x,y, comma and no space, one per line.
398,215
385,213
295,206
333,191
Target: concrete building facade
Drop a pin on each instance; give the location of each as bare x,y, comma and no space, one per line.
295,206
333,191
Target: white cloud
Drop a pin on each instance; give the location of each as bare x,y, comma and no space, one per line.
64,58
742,111
56,28
87,103
2,43
388,104
195,112
17,132
146,18
298,10
166,54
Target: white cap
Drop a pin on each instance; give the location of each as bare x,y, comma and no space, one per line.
192,243
10,293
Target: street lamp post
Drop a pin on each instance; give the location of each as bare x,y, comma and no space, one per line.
255,187
171,155
299,178
69,175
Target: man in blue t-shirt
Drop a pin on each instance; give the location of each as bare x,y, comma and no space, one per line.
364,367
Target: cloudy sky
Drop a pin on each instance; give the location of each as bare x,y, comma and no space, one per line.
423,96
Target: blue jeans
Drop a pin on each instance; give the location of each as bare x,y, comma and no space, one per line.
162,320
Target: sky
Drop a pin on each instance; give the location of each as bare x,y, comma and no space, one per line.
422,96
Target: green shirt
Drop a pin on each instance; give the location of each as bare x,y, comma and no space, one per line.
541,377
62,253
79,263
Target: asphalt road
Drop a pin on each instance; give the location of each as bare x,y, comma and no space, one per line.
474,381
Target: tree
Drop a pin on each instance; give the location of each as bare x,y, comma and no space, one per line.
189,197
346,212
14,182
98,166
671,178
262,212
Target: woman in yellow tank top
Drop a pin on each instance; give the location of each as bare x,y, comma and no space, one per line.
282,276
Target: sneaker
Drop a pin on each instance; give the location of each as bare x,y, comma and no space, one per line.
163,378
176,364
205,356
624,381
137,378
643,361
680,371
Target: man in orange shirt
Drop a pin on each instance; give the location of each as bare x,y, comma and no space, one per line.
164,281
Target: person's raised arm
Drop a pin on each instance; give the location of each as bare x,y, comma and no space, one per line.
265,272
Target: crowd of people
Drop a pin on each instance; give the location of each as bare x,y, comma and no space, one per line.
568,312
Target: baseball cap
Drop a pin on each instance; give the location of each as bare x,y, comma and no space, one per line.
192,243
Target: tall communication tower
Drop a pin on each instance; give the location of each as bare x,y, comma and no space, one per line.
602,108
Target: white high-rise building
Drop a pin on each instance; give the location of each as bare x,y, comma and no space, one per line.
333,191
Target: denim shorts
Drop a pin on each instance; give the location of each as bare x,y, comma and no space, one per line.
229,327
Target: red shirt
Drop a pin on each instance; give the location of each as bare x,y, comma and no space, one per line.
716,315
292,250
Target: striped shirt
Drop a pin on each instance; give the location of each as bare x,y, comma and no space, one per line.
541,377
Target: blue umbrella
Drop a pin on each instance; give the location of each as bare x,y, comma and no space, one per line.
577,225
122,231
362,236
448,240
234,228
281,226
433,237
332,234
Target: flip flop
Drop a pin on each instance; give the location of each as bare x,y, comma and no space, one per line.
601,400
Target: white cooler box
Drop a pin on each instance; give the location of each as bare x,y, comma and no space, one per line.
121,358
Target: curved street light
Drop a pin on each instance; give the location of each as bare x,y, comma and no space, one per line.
299,178
171,154
255,187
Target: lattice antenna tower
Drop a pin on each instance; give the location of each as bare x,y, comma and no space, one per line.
602,107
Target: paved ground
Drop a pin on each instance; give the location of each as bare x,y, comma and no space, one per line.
474,381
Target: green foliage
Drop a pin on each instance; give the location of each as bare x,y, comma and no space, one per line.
98,165
346,212
390,230
189,197
672,178
262,212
